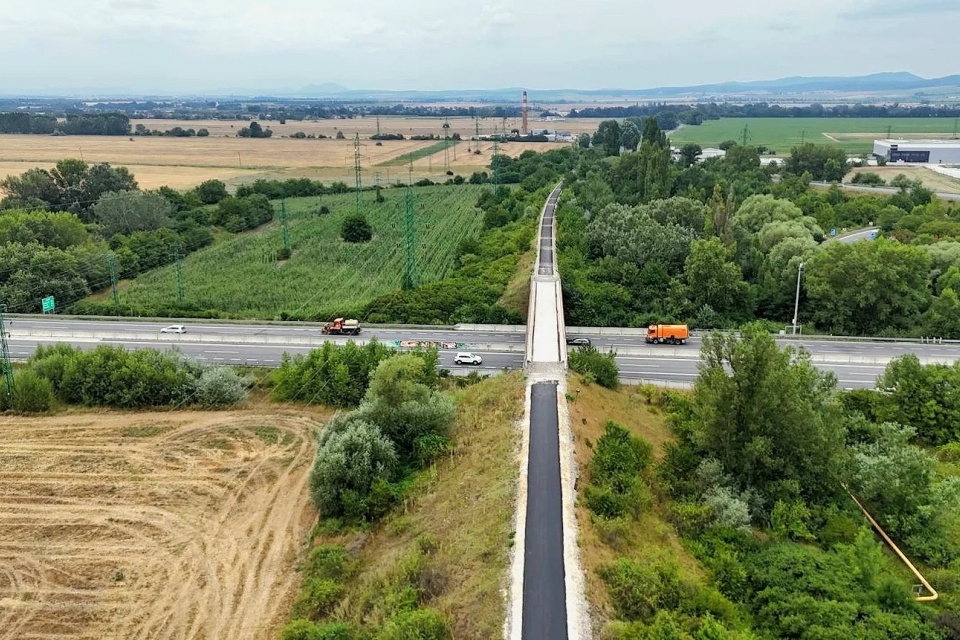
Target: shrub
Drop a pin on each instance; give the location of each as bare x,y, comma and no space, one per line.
868,178
355,228
220,387
31,393
306,630
614,531
603,367
318,597
419,624
330,561
347,465
632,588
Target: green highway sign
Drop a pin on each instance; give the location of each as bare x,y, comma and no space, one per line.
47,304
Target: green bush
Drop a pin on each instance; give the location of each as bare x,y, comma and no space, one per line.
355,228
113,377
333,375
330,561
306,630
603,367
318,596
347,465
633,588
32,393
419,624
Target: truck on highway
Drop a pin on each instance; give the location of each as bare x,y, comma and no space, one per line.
668,333
339,327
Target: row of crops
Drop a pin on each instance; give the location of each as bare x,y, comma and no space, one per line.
242,277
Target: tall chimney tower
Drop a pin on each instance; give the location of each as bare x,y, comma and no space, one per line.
524,127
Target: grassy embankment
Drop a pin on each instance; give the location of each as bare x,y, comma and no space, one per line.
447,546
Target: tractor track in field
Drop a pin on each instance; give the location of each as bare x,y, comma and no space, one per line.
152,526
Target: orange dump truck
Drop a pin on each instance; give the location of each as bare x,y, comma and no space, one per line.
667,333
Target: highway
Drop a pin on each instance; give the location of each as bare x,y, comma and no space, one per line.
856,363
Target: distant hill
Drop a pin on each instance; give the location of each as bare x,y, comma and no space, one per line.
876,83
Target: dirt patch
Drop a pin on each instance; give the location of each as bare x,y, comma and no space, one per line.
152,525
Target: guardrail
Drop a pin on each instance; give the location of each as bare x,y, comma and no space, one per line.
117,337
699,333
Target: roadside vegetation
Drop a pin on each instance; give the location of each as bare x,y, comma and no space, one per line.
725,512
719,243
415,491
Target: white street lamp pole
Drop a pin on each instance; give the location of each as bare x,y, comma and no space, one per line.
796,304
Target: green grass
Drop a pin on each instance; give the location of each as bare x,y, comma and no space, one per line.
325,276
419,153
855,135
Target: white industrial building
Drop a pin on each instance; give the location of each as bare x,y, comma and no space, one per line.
923,151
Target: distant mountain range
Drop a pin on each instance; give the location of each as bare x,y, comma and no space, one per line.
877,83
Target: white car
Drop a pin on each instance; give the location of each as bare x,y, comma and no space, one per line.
467,358
174,328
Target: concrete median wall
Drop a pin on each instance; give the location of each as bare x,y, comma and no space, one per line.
121,337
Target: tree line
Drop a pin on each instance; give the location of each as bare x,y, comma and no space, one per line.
83,124
758,483
643,238
69,231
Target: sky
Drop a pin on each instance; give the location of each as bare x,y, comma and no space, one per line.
218,46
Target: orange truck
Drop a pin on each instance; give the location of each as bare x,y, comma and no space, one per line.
342,327
668,333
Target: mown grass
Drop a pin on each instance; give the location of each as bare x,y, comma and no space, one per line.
855,135
447,546
325,276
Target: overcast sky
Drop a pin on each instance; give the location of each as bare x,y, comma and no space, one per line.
213,46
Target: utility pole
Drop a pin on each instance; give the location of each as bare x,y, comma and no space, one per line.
446,146
178,258
409,237
356,167
796,304
476,147
112,266
5,355
889,130
494,162
378,126
286,230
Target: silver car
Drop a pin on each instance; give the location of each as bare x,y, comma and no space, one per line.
467,358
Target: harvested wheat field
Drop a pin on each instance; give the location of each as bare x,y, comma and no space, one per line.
152,525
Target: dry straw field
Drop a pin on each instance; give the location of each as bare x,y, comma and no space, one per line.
152,525
185,162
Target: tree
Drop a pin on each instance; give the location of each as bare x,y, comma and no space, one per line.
629,136
129,211
816,160
355,228
713,280
211,191
689,154
603,367
608,136
254,131
942,319
202,133
923,397
584,141
348,463
632,234
766,415
864,288
652,133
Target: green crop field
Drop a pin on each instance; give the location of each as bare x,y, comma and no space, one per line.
855,135
415,155
325,276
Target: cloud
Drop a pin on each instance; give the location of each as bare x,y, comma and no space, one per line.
878,9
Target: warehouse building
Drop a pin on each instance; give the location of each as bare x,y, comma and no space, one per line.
925,151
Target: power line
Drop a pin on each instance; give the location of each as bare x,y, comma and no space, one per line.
5,363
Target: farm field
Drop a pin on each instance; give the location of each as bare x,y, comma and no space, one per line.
325,276
855,135
152,525
185,162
